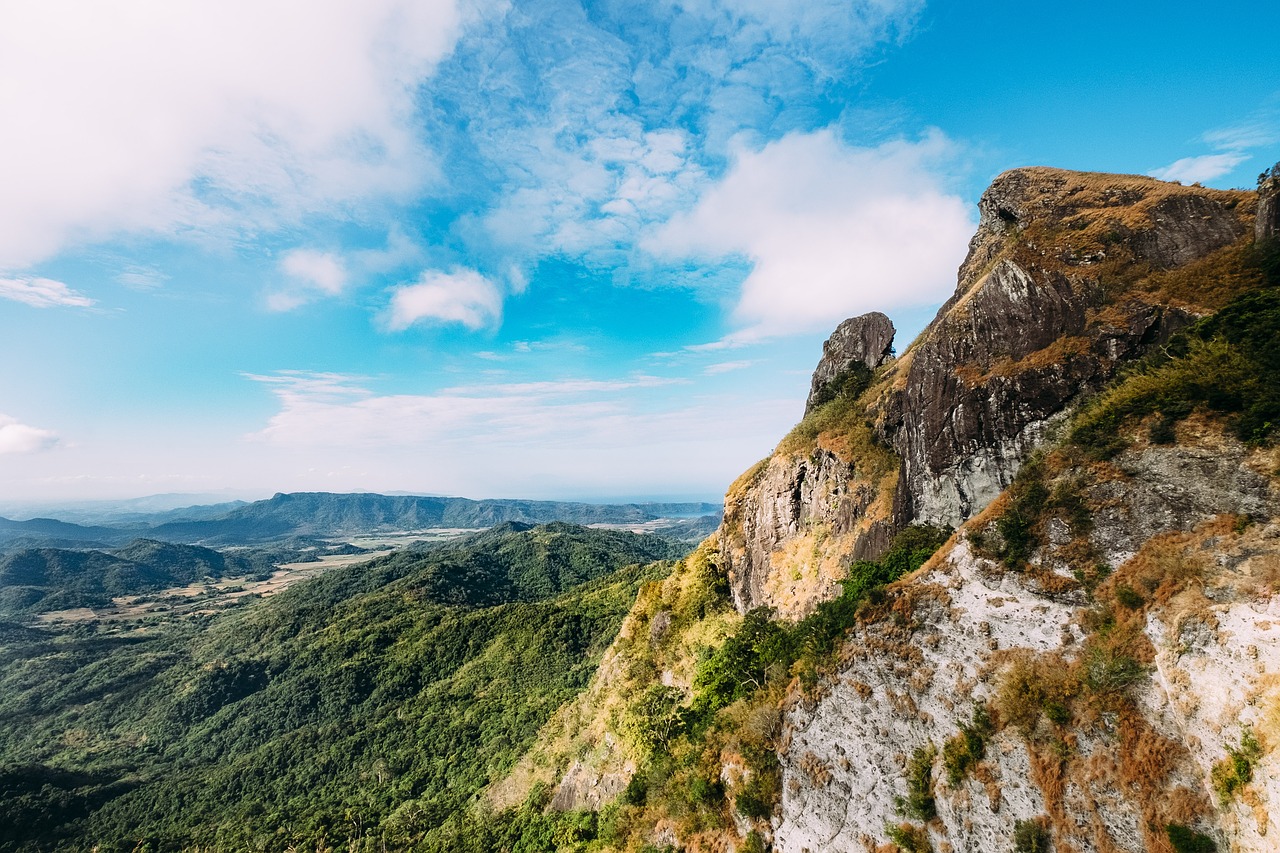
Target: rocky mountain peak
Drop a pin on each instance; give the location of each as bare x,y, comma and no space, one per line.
865,340
1069,276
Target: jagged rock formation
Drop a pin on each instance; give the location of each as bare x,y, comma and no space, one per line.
1066,279
866,340
1110,687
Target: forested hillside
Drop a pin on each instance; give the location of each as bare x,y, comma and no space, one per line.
362,708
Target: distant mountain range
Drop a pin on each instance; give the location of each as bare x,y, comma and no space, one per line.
323,514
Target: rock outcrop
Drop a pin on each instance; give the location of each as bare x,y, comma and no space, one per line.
1059,289
865,340
1107,686
1267,224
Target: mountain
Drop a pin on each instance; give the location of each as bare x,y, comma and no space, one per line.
51,532
1013,589
369,704
325,515
1088,431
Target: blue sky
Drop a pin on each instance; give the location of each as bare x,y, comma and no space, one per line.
536,248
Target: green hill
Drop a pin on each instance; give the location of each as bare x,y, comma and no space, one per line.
363,707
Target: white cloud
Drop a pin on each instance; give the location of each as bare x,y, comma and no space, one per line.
526,439
19,438
324,271
1232,144
185,117
142,278
41,293
585,174
830,230
1206,167
1251,134
726,367
311,273
458,296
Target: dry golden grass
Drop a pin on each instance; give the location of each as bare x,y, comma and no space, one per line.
1208,283
1058,352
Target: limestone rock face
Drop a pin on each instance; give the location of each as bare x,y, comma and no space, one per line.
795,502
866,340
912,681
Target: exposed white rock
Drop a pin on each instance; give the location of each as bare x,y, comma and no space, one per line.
905,688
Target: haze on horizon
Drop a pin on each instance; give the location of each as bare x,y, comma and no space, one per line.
539,248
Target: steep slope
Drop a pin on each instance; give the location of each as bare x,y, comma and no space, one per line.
1085,665
1069,276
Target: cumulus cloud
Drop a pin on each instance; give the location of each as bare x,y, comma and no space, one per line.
583,173
41,293
174,117
830,230
17,437
311,273
1206,167
458,296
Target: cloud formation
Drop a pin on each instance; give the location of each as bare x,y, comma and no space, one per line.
1206,167
42,293
311,273
17,437
1233,144
458,296
176,117
529,439
830,230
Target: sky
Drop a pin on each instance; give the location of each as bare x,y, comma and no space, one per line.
534,248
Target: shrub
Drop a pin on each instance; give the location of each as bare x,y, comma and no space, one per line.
1185,840
908,838
655,719
1236,770
1127,597
1028,497
919,802
1109,670
1030,836
967,748
848,384
1035,687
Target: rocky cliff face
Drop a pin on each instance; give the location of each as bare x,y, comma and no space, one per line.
1065,281
1099,771
1089,665
1268,221
866,340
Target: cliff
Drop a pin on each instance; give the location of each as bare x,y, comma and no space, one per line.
1069,276
1011,590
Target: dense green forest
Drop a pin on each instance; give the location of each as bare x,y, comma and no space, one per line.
359,709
